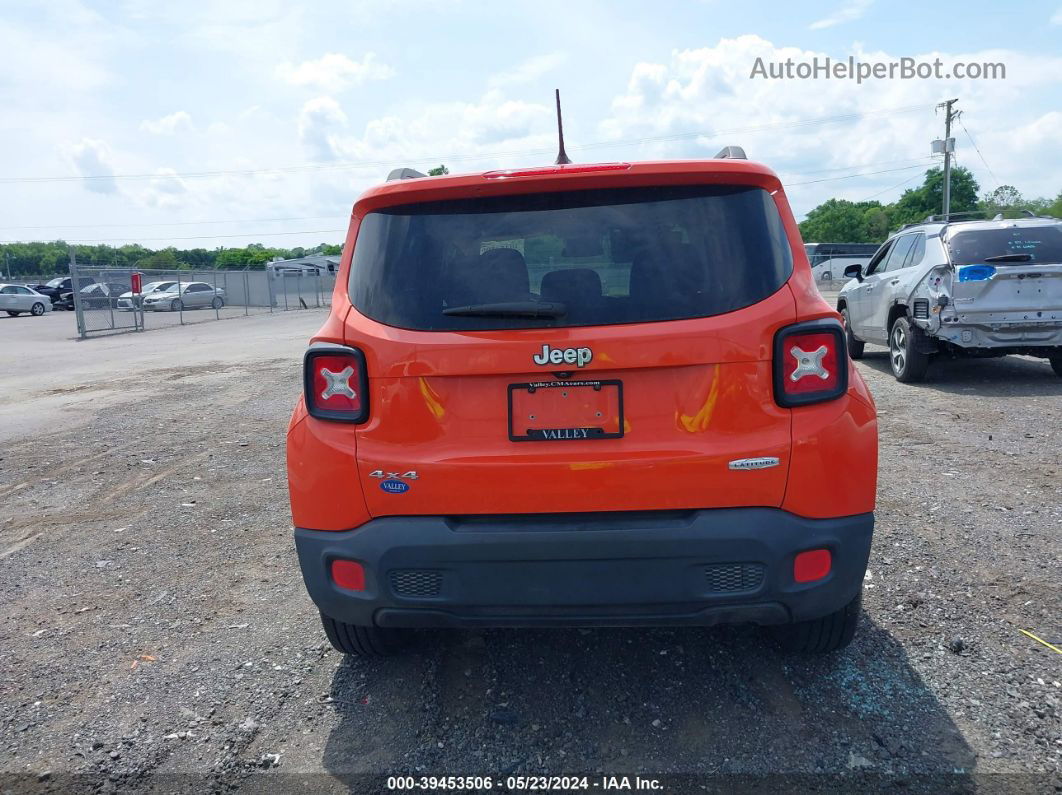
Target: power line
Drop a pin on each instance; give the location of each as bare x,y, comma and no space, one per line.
153,224
353,165
979,153
337,231
195,237
891,187
912,160
851,176
179,223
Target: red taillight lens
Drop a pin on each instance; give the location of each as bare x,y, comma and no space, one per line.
348,574
814,564
335,384
810,363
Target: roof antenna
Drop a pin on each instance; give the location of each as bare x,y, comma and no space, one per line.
562,156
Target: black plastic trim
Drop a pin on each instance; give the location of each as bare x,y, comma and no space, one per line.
826,325
552,571
328,349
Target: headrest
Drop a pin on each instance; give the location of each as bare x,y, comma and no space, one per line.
571,285
496,275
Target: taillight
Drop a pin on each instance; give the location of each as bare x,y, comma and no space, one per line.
810,363
335,383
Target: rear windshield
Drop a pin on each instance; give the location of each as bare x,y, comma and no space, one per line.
1040,243
583,258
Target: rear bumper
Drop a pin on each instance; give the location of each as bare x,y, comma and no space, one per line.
655,568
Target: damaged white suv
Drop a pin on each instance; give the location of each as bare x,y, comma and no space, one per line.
959,288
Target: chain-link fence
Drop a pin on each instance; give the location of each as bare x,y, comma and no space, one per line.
104,302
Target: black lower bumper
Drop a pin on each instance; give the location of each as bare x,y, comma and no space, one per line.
656,568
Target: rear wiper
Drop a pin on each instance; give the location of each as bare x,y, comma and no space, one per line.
510,309
1009,258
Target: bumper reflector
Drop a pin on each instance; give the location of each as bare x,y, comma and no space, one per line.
348,574
811,565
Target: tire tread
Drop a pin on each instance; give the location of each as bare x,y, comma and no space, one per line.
818,636
359,641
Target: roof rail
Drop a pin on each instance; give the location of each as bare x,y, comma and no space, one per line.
732,153
404,173
944,218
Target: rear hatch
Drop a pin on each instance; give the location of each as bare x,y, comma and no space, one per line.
585,351
1008,276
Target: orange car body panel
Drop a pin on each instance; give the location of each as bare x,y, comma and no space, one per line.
698,394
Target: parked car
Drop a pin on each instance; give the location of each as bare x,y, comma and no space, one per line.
959,288
56,288
17,299
128,301
582,395
191,295
99,295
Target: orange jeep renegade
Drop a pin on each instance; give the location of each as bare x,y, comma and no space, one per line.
581,395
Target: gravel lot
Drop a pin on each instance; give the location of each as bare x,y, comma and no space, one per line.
158,627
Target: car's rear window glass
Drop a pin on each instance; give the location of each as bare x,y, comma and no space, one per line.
630,255
1041,243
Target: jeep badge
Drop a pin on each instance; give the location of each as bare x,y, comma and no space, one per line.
580,357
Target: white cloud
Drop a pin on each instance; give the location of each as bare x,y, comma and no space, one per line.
320,121
93,160
469,131
179,121
528,71
696,96
1057,18
167,189
334,71
850,11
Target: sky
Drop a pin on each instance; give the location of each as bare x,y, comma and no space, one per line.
223,123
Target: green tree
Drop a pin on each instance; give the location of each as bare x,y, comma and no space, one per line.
165,260
916,204
1055,207
438,171
842,221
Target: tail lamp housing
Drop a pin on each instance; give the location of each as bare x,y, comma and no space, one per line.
335,383
810,363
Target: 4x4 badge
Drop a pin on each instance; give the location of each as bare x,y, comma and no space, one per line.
580,357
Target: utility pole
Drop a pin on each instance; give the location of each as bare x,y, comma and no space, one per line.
949,147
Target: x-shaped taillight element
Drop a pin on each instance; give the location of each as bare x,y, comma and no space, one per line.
338,383
808,363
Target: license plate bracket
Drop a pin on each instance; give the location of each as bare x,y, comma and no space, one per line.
551,411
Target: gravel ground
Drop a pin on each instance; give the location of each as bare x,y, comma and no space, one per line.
158,629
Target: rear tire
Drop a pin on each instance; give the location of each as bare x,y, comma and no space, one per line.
217,303
821,635
1056,363
362,641
176,305
37,309
855,347
908,364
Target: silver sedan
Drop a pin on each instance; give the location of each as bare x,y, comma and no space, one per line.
15,299
129,301
190,295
